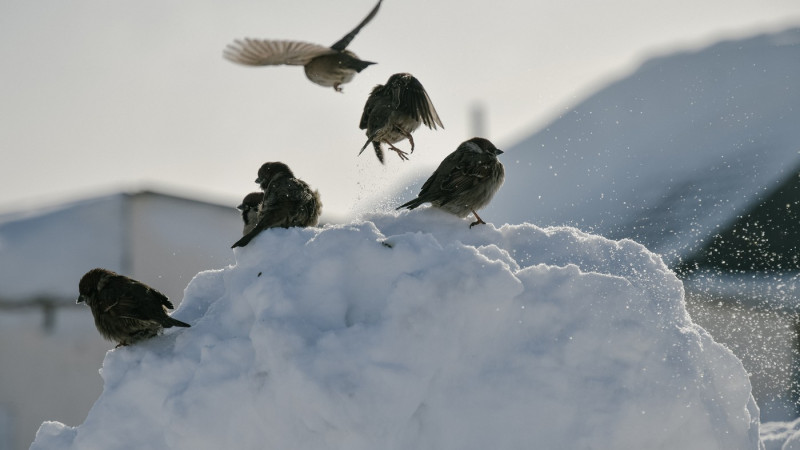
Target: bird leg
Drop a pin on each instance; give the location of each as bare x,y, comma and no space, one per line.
337,87
400,153
410,139
477,222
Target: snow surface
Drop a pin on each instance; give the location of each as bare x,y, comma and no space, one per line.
412,331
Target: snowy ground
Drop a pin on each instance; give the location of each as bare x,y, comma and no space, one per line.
416,332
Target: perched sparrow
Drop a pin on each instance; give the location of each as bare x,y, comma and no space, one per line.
326,66
288,201
394,110
249,209
125,310
465,181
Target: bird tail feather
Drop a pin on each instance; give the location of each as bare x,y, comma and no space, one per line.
411,204
369,139
246,238
172,322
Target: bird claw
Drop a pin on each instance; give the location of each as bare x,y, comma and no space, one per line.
337,87
403,155
477,222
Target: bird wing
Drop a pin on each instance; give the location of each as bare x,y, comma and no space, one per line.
342,43
420,104
263,52
132,299
375,97
457,173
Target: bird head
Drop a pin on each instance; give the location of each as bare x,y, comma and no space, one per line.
90,284
269,171
251,201
397,84
484,145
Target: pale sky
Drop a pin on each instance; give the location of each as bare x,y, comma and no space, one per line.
98,96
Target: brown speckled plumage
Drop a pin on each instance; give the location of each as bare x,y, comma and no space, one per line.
288,201
125,310
393,111
465,181
326,66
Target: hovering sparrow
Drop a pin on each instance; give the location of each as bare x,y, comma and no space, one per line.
288,201
465,181
249,209
394,110
125,310
325,66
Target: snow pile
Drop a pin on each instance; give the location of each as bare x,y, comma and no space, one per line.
415,332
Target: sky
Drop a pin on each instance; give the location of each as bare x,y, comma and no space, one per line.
101,96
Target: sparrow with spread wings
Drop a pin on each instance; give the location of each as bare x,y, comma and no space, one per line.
326,66
393,111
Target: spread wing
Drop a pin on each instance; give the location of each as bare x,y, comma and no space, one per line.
342,43
375,97
420,104
262,52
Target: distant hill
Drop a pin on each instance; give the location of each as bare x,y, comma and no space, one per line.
670,155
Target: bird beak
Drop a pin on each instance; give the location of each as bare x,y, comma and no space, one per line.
259,180
241,207
498,152
80,299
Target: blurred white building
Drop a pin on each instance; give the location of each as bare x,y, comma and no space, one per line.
50,351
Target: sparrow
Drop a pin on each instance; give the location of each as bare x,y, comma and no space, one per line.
250,208
465,181
125,310
288,201
394,110
326,66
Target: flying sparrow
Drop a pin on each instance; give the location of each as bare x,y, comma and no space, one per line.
125,310
394,110
325,66
288,201
249,209
465,181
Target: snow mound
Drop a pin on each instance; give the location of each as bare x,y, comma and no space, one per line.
413,331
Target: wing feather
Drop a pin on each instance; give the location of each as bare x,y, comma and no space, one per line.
421,105
263,52
342,43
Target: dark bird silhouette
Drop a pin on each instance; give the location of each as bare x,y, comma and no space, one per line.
125,310
465,181
288,201
394,110
250,209
326,66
